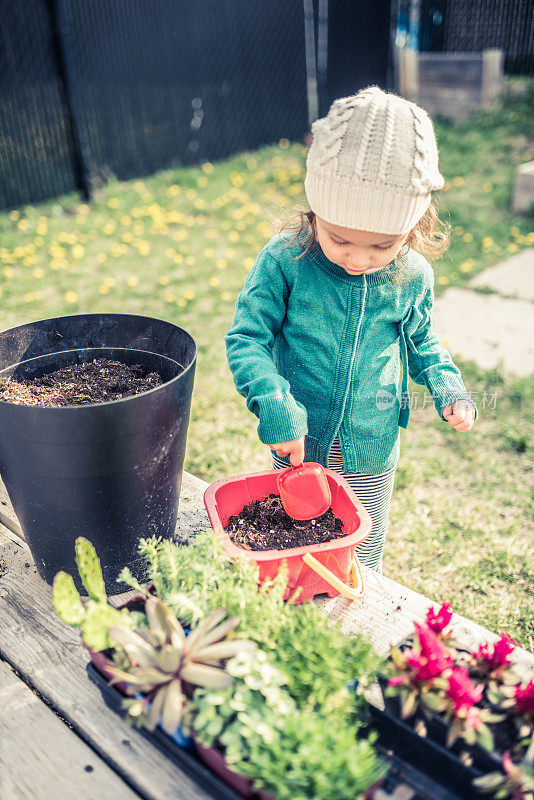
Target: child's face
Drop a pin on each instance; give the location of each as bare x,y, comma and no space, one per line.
357,251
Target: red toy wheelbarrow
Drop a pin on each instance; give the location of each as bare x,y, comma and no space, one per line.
330,567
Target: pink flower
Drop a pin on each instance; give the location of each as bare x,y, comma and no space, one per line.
463,693
397,680
438,622
433,659
524,698
498,657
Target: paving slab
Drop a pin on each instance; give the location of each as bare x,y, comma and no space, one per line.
487,328
513,277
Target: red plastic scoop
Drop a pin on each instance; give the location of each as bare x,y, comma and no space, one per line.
304,491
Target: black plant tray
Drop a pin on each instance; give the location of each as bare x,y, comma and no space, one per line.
186,760
422,785
425,754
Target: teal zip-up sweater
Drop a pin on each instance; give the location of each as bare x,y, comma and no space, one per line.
318,352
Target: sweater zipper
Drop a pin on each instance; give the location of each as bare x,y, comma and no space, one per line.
351,366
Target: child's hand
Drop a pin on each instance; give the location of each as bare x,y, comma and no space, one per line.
461,415
294,449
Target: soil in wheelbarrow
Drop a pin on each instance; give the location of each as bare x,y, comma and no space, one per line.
98,381
264,525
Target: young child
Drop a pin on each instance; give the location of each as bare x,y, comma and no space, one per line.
330,319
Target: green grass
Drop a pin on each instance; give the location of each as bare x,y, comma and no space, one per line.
178,245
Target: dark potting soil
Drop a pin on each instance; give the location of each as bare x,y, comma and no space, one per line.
264,525
98,381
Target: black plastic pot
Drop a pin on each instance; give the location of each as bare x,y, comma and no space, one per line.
108,471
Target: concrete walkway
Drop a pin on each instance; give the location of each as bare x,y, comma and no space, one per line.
492,327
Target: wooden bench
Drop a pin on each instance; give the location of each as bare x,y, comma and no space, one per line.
57,736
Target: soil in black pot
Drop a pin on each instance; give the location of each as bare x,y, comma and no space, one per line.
264,525
98,381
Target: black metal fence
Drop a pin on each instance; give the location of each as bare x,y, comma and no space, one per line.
91,89
474,25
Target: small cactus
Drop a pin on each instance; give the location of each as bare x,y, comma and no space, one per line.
96,616
90,569
67,601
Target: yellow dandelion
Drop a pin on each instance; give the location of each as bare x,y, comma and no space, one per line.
458,181
221,263
29,297
487,241
190,261
110,282
208,252
487,187
283,143
443,280
191,194
103,288
23,224
458,230
514,230
211,233
199,203
276,161
444,343
8,272
125,220
207,167
467,237
38,273
446,186
173,190
202,181
41,229
169,297
182,302
14,215
0,293
178,258
189,295
78,251
513,247
237,179
71,297
113,202
139,186
38,241
143,248
109,228
226,296
467,266
164,280
241,225
213,281
83,209
132,281
127,236
294,189
101,258
248,263
28,261
529,238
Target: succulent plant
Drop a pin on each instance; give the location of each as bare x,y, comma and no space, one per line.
96,616
166,666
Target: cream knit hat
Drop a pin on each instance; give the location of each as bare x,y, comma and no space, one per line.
373,163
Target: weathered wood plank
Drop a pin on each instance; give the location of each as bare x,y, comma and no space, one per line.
51,760
8,518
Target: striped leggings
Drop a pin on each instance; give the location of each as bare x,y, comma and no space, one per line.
375,492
